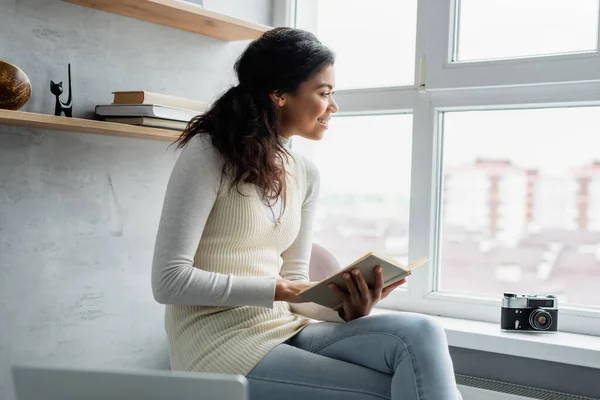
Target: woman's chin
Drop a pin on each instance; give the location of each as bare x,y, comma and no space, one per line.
318,134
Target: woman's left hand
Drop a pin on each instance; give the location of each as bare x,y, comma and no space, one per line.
359,300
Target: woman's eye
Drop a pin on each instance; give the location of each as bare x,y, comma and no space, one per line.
325,94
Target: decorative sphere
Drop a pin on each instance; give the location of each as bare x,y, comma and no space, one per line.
15,88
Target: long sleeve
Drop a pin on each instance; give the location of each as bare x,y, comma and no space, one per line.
297,257
191,193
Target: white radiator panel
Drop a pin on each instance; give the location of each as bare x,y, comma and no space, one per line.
474,388
471,393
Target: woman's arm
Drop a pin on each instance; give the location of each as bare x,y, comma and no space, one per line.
191,193
296,258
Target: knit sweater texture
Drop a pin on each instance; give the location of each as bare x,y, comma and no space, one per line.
217,256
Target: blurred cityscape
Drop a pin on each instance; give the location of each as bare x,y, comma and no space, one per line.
504,228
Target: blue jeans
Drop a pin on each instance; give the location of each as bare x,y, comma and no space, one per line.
400,356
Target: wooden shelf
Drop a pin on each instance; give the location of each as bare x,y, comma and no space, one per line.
44,121
181,15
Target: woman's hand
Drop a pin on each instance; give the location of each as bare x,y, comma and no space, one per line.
359,300
288,290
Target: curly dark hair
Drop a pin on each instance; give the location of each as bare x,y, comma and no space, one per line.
243,122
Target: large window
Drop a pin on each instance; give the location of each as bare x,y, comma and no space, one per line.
521,203
498,104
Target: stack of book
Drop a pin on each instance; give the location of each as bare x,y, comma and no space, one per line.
151,109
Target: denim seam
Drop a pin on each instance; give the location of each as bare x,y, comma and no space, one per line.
411,357
312,339
339,389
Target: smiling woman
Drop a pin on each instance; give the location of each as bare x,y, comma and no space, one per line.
307,112
234,243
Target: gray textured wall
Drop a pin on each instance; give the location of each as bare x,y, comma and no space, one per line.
79,212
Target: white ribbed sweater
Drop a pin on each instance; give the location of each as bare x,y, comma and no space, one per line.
216,260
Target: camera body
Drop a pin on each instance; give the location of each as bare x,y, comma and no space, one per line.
529,313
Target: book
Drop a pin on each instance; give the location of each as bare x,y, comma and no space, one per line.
145,110
146,97
393,271
149,121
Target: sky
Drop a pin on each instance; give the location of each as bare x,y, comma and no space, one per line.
511,28
553,140
374,40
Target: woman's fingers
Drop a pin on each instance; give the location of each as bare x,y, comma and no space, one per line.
351,287
363,288
386,290
340,292
378,288
395,285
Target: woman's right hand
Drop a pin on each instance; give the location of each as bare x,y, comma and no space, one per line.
288,290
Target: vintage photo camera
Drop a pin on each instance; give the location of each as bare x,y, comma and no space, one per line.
529,313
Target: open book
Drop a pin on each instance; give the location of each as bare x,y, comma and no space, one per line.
393,271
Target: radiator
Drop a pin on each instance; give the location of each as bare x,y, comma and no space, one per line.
473,388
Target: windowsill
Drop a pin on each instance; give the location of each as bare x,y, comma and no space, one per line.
561,347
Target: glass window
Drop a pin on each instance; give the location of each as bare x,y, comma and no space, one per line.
495,29
374,40
364,166
521,203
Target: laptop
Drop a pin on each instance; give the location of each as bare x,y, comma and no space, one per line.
38,382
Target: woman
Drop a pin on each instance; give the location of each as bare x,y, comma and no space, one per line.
234,243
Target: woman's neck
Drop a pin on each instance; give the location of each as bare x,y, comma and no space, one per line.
284,140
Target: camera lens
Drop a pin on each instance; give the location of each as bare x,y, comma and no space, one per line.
540,319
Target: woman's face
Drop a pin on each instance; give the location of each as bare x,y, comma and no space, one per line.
306,113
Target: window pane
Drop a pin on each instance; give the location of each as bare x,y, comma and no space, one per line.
364,166
374,41
493,29
521,203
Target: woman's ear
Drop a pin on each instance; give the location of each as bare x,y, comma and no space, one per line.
278,98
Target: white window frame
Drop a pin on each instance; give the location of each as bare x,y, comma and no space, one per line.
442,73
440,87
426,191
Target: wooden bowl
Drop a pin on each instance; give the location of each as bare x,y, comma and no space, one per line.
15,88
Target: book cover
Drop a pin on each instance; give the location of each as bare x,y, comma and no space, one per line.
149,121
146,97
145,110
393,271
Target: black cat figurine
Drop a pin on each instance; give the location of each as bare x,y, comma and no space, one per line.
57,90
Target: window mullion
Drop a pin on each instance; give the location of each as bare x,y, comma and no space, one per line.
422,198
284,13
